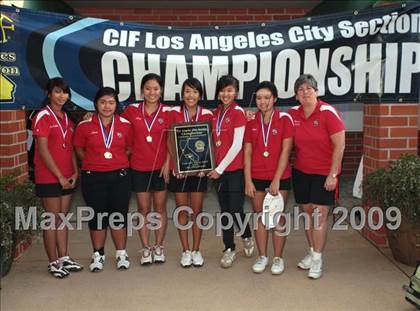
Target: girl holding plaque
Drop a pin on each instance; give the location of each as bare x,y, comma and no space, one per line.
189,190
56,172
268,142
229,123
150,163
103,144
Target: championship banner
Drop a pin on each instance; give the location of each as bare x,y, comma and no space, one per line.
367,56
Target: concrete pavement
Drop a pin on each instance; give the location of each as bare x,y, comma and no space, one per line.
356,277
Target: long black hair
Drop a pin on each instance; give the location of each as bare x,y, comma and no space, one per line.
51,84
193,83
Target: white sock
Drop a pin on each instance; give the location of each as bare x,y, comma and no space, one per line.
311,250
316,256
120,252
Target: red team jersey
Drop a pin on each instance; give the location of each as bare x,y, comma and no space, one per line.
44,124
148,156
233,118
89,137
281,128
312,140
176,115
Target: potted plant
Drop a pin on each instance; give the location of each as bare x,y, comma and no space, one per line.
13,195
399,186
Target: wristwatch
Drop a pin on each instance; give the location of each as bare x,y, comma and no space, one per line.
334,175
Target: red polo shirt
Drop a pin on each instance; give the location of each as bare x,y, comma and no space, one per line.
176,115
89,137
148,156
281,128
45,125
313,144
233,118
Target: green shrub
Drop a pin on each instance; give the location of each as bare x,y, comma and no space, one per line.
397,186
12,195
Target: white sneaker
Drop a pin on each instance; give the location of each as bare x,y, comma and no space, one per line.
123,262
277,267
260,264
146,256
97,262
197,259
248,246
158,254
57,269
306,262
315,272
228,258
186,259
70,264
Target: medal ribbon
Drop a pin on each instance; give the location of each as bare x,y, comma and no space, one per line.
266,134
63,131
220,121
107,137
149,126
187,116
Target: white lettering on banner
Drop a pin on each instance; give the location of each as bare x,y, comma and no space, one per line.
309,33
209,74
244,68
175,75
108,74
410,64
341,84
366,68
228,43
113,37
388,24
163,42
368,62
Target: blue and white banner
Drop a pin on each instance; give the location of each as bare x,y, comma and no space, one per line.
367,56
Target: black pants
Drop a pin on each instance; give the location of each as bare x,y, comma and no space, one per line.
107,192
231,195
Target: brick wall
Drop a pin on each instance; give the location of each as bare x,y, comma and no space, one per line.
352,153
13,155
390,130
192,16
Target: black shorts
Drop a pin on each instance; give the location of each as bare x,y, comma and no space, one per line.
107,192
188,184
262,185
147,181
51,190
309,188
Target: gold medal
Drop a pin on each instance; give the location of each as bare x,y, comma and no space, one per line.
218,143
149,139
108,155
266,154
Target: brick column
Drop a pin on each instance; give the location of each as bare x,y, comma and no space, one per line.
13,153
389,130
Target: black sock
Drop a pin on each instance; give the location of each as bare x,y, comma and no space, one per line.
101,251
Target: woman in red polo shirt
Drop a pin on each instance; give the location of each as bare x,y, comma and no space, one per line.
319,145
229,127
150,162
55,172
268,142
103,144
189,190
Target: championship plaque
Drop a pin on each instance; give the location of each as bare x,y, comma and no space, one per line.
192,147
